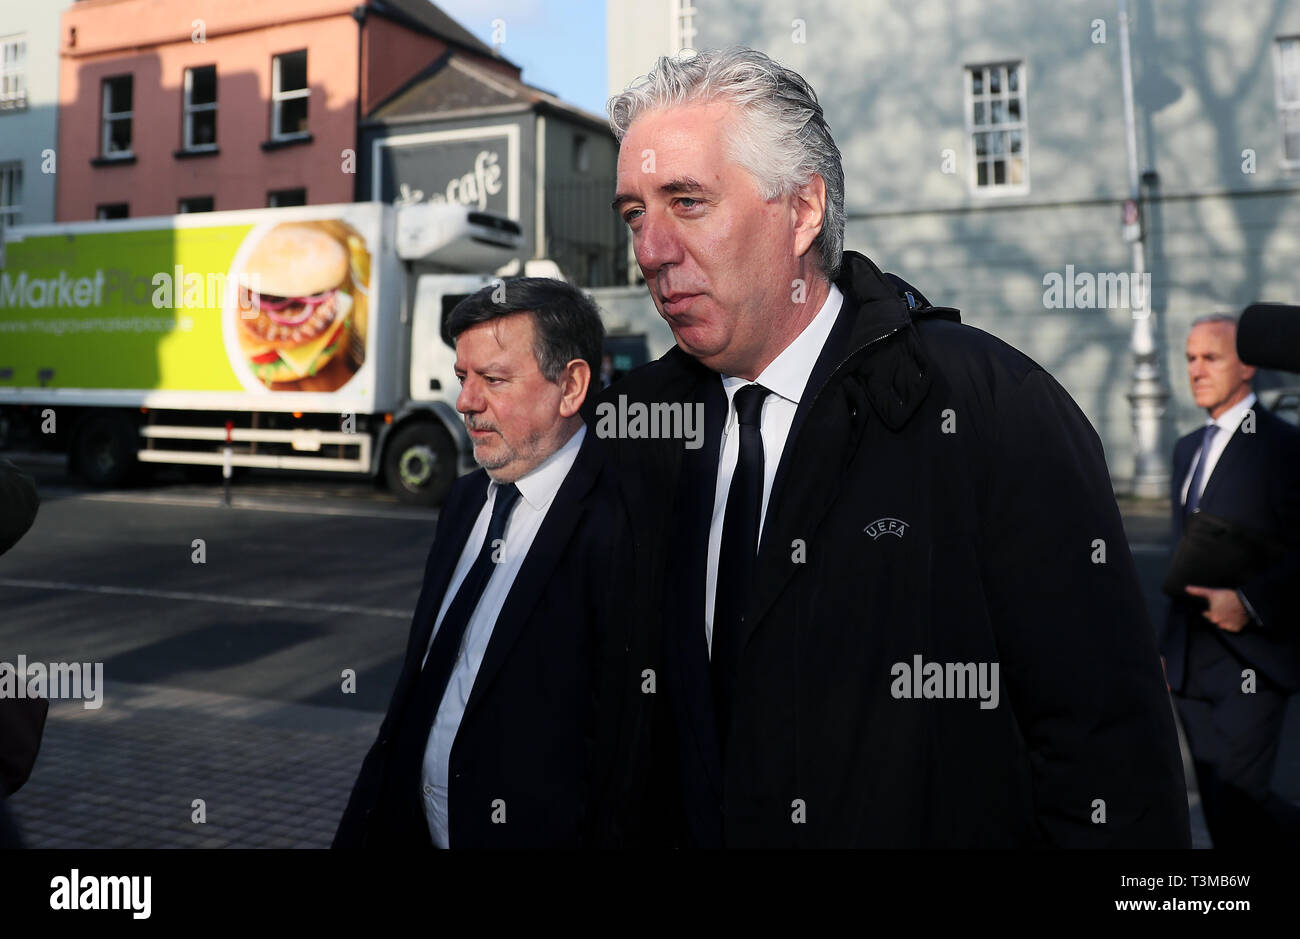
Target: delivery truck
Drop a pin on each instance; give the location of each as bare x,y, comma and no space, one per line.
306,338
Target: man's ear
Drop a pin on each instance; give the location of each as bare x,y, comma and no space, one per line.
574,382
809,210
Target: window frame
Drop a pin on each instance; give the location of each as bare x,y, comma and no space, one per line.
15,100
973,160
272,193
189,109
1283,105
278,97
101,217
11,180
106,118
180,205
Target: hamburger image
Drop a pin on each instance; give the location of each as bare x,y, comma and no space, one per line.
294,304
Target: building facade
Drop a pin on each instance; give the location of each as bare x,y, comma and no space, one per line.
193,105
986,162
459,133
29,82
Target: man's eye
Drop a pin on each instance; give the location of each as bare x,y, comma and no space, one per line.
630,214
684,199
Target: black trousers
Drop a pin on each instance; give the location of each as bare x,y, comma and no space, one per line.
1234,737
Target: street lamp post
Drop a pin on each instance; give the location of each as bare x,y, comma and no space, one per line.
1147,396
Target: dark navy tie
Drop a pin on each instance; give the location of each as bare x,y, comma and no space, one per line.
431,684
738,555
1198,476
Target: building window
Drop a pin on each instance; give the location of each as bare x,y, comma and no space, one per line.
1288,98
200,108
581,153
997,125
195,204
13,73
279,198
683,24
111,210
11,194
289,95
116,138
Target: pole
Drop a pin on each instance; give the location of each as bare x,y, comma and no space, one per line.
226,462
1147,397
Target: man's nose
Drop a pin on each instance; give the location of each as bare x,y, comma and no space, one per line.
656,244
470,400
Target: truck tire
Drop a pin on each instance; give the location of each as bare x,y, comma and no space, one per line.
104,450
420,463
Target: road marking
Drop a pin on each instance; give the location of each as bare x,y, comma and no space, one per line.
265,602
240,502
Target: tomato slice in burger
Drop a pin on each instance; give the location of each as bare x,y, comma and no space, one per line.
266,358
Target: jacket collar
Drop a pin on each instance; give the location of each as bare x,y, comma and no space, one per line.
874,317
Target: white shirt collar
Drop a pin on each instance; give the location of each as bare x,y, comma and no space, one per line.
539,486
1231,419
787,375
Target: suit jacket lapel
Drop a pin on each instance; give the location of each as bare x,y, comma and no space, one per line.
686,580
454,526
543,555
1183,452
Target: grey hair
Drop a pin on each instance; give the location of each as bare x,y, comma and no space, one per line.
1214,318
781,136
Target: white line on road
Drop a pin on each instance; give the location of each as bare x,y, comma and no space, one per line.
205,597
214,502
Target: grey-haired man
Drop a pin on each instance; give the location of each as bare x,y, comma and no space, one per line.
885,620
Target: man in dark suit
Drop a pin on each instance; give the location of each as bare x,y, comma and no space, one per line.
503,728
899,606
1233,654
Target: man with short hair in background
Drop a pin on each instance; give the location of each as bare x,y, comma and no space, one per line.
1233,653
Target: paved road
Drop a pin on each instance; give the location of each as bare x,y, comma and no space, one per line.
224,678
224,682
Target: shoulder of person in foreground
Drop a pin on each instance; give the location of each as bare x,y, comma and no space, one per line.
1076,646
18,504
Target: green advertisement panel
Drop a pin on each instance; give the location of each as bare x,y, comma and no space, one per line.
267,306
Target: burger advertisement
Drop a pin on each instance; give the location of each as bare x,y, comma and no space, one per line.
300,319
203,309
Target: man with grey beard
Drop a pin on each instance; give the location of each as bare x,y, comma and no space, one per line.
517,709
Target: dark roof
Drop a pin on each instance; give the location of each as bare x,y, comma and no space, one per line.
456,83
426,14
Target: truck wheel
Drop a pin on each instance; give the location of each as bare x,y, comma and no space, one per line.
420,463
104,452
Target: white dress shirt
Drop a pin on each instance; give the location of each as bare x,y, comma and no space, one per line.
1228,423
537,491
786,377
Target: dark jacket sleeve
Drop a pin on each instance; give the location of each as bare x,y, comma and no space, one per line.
18,504
1077,650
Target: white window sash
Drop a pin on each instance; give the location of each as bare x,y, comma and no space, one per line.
1021,124
109,117
1286,61
278,97
190,110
